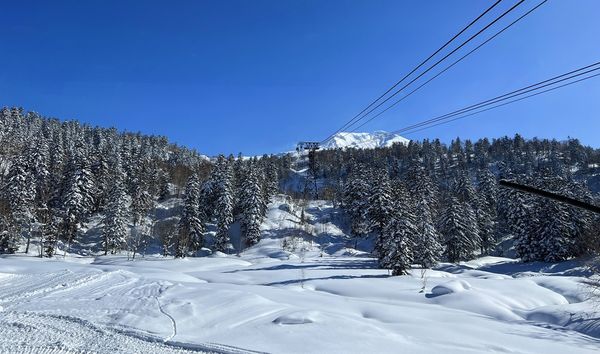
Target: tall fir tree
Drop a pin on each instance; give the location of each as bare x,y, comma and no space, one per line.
356,198
190,237
78,199
397,251
20,193
428,249
253,207
459,230
224,203
380,204
117,216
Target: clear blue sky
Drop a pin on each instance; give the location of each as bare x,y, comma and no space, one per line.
257,76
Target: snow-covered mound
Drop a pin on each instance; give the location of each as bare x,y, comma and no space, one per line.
453,286
364,140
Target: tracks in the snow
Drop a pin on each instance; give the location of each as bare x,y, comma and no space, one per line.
173,323
25,332
34,320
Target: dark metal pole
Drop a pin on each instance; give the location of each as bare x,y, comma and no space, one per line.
550,195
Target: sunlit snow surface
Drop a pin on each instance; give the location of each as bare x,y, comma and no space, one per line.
272,300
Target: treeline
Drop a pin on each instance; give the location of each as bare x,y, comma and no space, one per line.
54,175
426,201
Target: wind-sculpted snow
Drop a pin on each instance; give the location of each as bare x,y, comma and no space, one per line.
289,294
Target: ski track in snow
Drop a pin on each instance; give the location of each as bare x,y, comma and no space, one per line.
27,332
46,332
173,323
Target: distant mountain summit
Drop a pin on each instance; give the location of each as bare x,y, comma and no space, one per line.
364,140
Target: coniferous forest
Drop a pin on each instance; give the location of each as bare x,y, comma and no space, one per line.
420,203
55,175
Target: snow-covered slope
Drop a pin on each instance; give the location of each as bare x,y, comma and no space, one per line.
302,289
364,140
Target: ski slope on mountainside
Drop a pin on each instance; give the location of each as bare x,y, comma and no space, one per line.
302,289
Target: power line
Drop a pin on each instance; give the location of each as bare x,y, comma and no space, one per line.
416,68
435,64
537,86
449,66
497,106
463,113
550,195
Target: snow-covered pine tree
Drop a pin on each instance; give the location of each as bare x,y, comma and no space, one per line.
223,211
485,208
356,198
582,226
9,235
117,215
523,224
380,205
78,199
239,169
428,250
397,244
38,161
555,234
20,192
271,180
102,179
485,226
141,203
463,189
458,227
253,207
163,184
555,241
421,186
50,233
208,197
190,236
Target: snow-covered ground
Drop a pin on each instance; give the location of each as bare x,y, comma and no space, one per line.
302,289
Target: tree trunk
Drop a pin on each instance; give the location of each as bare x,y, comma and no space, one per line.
28,239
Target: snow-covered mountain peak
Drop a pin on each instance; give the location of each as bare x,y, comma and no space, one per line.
364,140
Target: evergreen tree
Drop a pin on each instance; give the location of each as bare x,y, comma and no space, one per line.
116,219
486,208
271,180
20,192
523,224
356,197
224,203
397,245
555,243
9,240
191,229
380,205
253,207
117,213
141,204
485,226
427,246
459,229
78,200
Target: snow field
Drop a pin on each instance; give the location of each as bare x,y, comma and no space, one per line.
317,295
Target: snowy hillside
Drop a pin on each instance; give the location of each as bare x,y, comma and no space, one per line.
302,289
364,140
